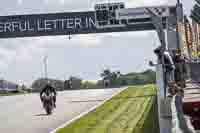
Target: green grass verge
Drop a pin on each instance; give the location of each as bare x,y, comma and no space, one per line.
11,94
131,111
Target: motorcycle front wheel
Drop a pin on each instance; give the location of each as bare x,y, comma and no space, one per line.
48,110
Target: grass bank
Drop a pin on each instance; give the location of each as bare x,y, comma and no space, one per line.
132,111
12,94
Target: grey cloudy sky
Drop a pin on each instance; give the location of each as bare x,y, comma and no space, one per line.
21,59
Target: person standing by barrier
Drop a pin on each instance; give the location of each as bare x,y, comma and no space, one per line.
168,64
180,71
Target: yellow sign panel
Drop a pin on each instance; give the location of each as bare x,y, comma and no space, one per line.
182,36
196,40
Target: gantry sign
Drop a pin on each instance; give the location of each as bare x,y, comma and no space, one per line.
110,17
106,18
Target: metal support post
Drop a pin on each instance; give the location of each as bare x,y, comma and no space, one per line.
158,23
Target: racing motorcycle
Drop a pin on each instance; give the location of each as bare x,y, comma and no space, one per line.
48,103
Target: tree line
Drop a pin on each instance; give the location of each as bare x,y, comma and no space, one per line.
108,79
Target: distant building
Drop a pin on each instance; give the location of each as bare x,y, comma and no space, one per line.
72,83
67,85
106,83
40,83
100,84
7,86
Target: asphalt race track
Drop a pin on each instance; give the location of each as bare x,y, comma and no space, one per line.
24,114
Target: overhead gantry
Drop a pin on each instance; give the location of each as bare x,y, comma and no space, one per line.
109,17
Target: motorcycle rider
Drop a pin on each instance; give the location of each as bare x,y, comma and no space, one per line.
52,90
